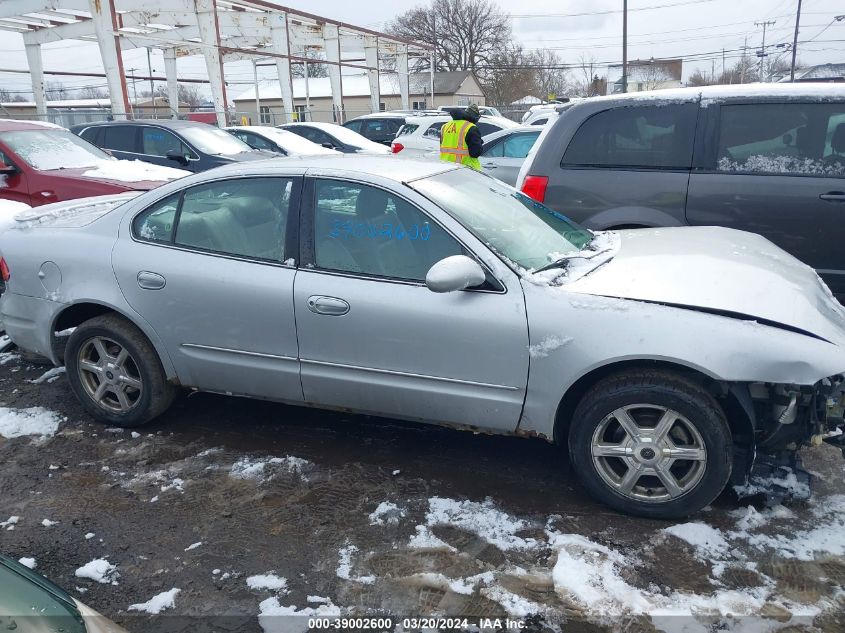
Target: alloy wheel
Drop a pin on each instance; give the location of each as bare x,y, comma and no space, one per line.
648,453
109,374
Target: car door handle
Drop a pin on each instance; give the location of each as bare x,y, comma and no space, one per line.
489,165
151,281
834,196
331,306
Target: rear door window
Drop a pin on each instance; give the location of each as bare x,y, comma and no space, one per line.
782,138
487,128
434,130
355,126
408,128
120,138
157,142
646,137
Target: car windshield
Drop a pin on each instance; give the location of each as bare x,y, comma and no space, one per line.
211,140
53,148
293,143
349,137
521,230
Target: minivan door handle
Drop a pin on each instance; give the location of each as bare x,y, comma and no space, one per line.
833,196
331,306
150,281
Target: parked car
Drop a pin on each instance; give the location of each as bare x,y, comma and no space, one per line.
541,117
185,144
505,151
488,110
336,137
30,602
421,135
768,159
272,139
380,127
430,292
42,163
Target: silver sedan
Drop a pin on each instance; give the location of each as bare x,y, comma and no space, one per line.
664,360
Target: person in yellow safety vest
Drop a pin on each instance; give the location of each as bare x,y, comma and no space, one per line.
460,140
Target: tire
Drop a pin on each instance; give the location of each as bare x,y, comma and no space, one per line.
109,354
670,417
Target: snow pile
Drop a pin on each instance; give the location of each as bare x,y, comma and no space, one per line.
601,249
10,523
8,210
707,541
158,603
265,469
274,618
100,570
51,375
49,523
344,566
133,171
484,519
547,345
28,562
387,513
193,546
31,421
787,482
267,581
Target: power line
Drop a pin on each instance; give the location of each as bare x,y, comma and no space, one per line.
608,12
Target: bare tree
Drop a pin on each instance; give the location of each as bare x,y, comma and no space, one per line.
466,34
56,90
587,83
315,69
549,75
511,76
92,92
651,75
9,96
188,94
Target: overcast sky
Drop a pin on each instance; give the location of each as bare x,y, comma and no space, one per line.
677,28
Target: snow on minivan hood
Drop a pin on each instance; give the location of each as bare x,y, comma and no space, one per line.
720,270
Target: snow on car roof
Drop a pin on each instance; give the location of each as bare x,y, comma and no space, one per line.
816,90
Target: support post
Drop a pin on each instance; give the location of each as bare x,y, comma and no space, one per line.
172,83
105,26
625,46
402,69
36,72
331,39
210,36
281,45
795,43
371,59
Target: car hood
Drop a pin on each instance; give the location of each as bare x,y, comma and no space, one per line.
258,154
79,174
718,270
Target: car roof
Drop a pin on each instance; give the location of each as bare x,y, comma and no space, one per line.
386,166
320,125
168,123
761,90
392,114
484,118
16,125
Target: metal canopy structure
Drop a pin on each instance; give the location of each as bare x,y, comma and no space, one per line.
218,30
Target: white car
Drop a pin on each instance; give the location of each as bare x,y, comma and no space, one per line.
333,136
281,142
420,136
540,117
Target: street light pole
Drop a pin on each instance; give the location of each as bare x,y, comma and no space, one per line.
764,24
795,43
624,45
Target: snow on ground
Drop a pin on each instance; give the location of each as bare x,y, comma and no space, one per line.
10,523
51,375
8,210
275,618
99,570
344,566
28,562
193,546
158,603
707,541
49,523
786,481
267,581
31,421
548,345
387,513
484,519
133,171
264,469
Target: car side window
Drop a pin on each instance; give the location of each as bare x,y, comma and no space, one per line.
355,126
157,142
244,217
408,128
257,141
518,145
119,137
650,137
434,130
366,230
496,150
782,138
487,128
541,121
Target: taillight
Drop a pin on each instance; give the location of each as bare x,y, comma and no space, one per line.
5,275
396,147
535,187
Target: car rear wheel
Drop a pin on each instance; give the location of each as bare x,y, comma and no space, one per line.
651,443
115,372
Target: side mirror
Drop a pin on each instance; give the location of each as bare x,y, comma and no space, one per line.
8,169
457,272
328,146
174,154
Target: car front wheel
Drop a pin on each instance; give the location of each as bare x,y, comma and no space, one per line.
652,443
115,372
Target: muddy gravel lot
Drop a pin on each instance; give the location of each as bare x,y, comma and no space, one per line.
236,515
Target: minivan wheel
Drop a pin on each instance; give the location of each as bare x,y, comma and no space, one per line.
652,443
115,372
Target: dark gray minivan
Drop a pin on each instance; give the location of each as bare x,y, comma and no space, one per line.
766,158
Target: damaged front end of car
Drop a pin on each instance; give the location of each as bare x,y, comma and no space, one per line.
784,419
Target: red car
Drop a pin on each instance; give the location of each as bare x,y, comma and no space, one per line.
42,163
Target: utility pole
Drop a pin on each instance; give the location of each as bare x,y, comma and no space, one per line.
624,45
742,64
764,24
134,89
723,64
152,82
257,97
795,42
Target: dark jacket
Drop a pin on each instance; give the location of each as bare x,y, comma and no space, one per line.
473,137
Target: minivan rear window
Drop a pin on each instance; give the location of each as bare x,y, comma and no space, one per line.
638,136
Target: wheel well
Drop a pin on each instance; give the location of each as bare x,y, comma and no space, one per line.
72,316
741,425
